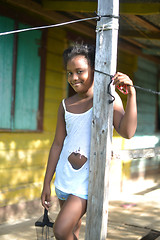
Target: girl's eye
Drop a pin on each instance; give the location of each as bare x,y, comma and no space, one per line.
80,71
69,74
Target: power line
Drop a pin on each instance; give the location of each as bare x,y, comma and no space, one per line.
49,26
97,17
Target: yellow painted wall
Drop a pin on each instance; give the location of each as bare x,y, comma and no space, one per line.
23,156
55,87
127,63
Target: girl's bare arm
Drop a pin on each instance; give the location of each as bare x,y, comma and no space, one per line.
54,156
125,122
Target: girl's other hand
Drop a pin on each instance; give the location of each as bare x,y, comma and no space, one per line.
46,197
123,83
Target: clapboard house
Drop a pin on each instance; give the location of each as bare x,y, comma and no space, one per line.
33,83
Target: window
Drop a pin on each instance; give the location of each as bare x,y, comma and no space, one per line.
20,66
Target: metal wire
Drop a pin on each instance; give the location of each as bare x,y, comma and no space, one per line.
97,17
135,86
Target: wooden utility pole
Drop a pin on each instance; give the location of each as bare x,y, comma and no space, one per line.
100,156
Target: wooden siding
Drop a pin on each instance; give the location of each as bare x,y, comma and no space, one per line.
55,88
91,6
142,160
22,161
146,76
127,63
27,80
72,6
6,53
23,156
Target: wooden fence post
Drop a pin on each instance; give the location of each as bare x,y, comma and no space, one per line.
102,123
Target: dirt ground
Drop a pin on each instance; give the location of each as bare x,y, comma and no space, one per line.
131,217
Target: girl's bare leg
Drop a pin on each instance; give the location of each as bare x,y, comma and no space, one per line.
67,224
77,229
78,226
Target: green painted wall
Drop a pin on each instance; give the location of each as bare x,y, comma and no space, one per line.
6,50
27,80
146,76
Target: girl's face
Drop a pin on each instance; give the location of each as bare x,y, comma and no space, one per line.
80,74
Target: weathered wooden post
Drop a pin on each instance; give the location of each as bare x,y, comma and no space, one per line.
100,156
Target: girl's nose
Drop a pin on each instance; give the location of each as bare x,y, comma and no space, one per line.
75,76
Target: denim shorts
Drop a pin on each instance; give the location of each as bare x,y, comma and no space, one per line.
63,196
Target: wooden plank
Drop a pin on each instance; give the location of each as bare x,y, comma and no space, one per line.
144,63
133,41
27,141
6,64
140,34
142,22
22,164
53,93
60,93
54,62
24,193
102,121
50,124
140,8
152,51
125,8
55,46
16,177
51,108
23,159
127,63
150,102
144,130
21,194
130,48
55,79
55,89
144,121
146,102
147,76
58,34
27,80
70,6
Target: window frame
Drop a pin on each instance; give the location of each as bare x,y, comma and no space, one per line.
42,55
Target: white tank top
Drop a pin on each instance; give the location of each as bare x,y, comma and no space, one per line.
78,128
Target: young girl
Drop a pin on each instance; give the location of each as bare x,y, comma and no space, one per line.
69,154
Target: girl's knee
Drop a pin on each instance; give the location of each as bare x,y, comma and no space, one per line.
59,231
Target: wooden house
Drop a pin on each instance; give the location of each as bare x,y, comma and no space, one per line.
33,83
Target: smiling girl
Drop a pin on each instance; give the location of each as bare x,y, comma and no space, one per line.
70,151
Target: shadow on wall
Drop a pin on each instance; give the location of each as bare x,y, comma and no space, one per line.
22,165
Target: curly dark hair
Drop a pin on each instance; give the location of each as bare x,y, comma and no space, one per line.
86,50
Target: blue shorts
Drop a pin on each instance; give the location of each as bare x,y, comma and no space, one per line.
63,196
